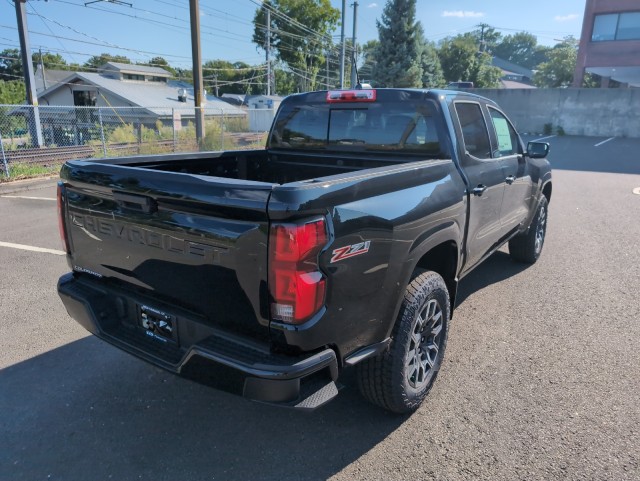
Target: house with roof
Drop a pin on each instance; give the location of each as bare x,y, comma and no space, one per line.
73,103
137,93
513,76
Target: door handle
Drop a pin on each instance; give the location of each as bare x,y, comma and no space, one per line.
138,203
479,190
510,179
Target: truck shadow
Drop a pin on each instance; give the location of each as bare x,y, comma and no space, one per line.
495,269
89,411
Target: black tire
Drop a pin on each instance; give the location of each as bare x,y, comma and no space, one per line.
528,247
401,377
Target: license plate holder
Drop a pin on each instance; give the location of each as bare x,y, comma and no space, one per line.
157,324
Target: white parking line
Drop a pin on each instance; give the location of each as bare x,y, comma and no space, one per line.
603,142
544,138
25,197
32,248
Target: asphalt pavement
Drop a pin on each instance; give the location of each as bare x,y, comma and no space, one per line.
541,378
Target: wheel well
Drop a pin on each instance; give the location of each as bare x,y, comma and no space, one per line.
443,259
546,191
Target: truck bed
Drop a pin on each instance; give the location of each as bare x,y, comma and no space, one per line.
274,167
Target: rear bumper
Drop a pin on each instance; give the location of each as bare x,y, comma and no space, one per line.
220,360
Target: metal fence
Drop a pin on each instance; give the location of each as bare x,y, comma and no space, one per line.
38,140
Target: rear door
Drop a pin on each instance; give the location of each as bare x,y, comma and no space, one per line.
485,176
196,242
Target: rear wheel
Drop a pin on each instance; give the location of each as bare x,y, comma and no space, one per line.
400,378
527,247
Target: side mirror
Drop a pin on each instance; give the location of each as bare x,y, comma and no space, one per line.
537,150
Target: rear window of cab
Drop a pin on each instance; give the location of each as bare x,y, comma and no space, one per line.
378,125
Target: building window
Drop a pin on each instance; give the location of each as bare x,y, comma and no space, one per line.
157,79
84,98
629,26
616,26
132,76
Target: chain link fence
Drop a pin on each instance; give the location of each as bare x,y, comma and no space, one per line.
38,140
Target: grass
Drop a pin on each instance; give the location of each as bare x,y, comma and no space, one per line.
26,171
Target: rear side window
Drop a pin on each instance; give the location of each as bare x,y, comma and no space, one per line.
381,126
305,126
474,129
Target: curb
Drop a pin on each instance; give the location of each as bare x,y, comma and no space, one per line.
28,184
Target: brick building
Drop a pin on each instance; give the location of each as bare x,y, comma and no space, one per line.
610,42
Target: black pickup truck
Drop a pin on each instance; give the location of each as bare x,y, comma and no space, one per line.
266,273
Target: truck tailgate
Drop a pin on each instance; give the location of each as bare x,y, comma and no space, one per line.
199,243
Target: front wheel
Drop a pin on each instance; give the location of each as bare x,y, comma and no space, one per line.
400,378
527,247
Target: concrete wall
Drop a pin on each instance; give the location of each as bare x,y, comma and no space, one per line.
591,112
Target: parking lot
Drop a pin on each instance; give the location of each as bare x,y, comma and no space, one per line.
541,378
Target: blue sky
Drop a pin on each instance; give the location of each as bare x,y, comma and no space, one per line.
161,27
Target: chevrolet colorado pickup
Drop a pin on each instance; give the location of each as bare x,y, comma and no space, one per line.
267,273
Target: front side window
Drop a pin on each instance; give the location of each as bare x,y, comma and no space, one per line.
474,129
507,137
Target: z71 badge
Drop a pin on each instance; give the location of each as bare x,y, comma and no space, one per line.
350,251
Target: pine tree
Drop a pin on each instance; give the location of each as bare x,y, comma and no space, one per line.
399,55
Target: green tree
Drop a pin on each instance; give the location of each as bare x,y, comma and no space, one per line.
232,78
462,60
285,82
99,60
399,62
300,35
12,92
522,49
559,69
487,37
458,57
52,61
485,75
368,60
10,64
432,76
162,63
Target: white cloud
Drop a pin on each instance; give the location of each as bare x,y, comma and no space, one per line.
372,5
566,18
462,13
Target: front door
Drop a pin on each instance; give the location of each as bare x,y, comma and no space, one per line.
517,192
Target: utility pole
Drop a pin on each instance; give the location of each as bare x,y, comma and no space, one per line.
268,49
35,129
215,80
482,44
328,55
344,7
44,76
194,10
355,45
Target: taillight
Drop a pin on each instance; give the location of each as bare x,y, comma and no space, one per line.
61,223
358,95
296,284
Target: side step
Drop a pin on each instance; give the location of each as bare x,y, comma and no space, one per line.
315,395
